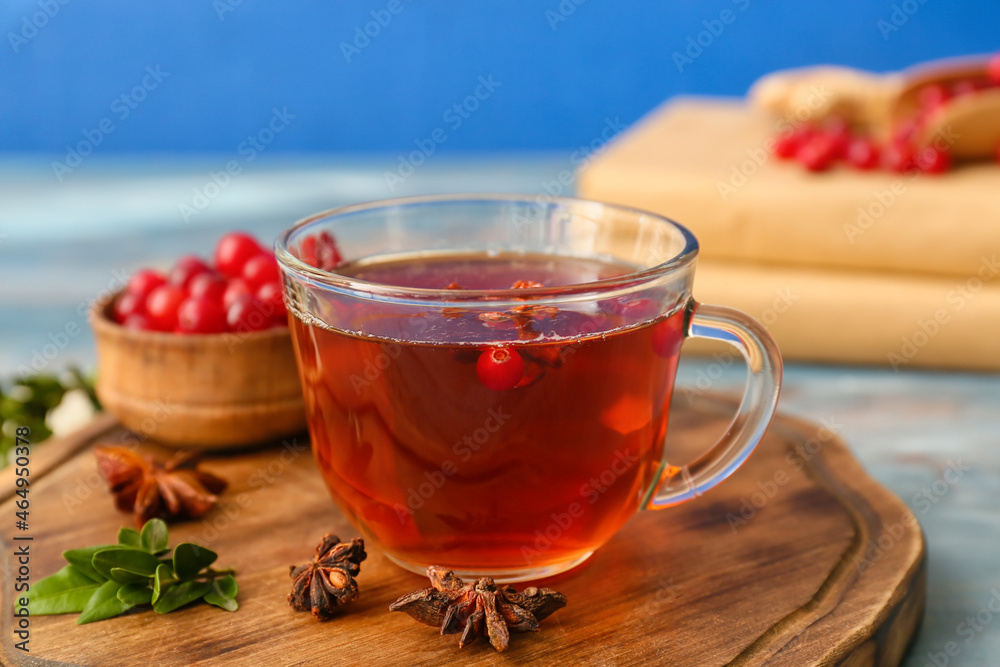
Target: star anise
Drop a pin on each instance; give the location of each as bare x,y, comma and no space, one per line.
478,608
173,490
328,580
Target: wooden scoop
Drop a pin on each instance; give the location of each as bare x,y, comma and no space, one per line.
968,125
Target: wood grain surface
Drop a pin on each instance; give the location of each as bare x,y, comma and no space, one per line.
798,559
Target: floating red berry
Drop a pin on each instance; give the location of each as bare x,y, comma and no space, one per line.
233,251
161,307
500,368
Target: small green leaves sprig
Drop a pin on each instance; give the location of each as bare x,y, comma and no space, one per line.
105,581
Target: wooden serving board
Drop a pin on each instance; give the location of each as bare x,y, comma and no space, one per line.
824,566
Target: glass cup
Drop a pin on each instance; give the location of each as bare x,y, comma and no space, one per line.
488,377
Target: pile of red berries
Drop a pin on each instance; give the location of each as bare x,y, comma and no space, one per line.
819,147
240,293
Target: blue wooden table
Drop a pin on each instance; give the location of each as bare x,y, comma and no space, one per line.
933,438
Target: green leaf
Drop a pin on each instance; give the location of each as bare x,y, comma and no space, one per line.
154,536
133,560
82,559
163,578
65,592
126,577
223,593
190,559
104,603
180,595
134,594
129,537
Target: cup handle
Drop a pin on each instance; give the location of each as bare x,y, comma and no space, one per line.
677,484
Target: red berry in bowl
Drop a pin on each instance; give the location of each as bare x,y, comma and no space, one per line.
500,368
993,69
862,153
260,270
270,296
233,251
199,315
161,307
128,304
185,269
933,161
138,322
209,285
247,314
143,282
235,289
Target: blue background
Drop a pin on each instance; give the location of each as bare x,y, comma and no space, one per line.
230,63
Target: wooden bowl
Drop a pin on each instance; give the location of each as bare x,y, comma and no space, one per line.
207,391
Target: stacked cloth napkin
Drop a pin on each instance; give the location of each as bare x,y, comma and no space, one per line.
874,267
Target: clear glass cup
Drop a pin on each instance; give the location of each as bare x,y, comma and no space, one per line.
504,431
